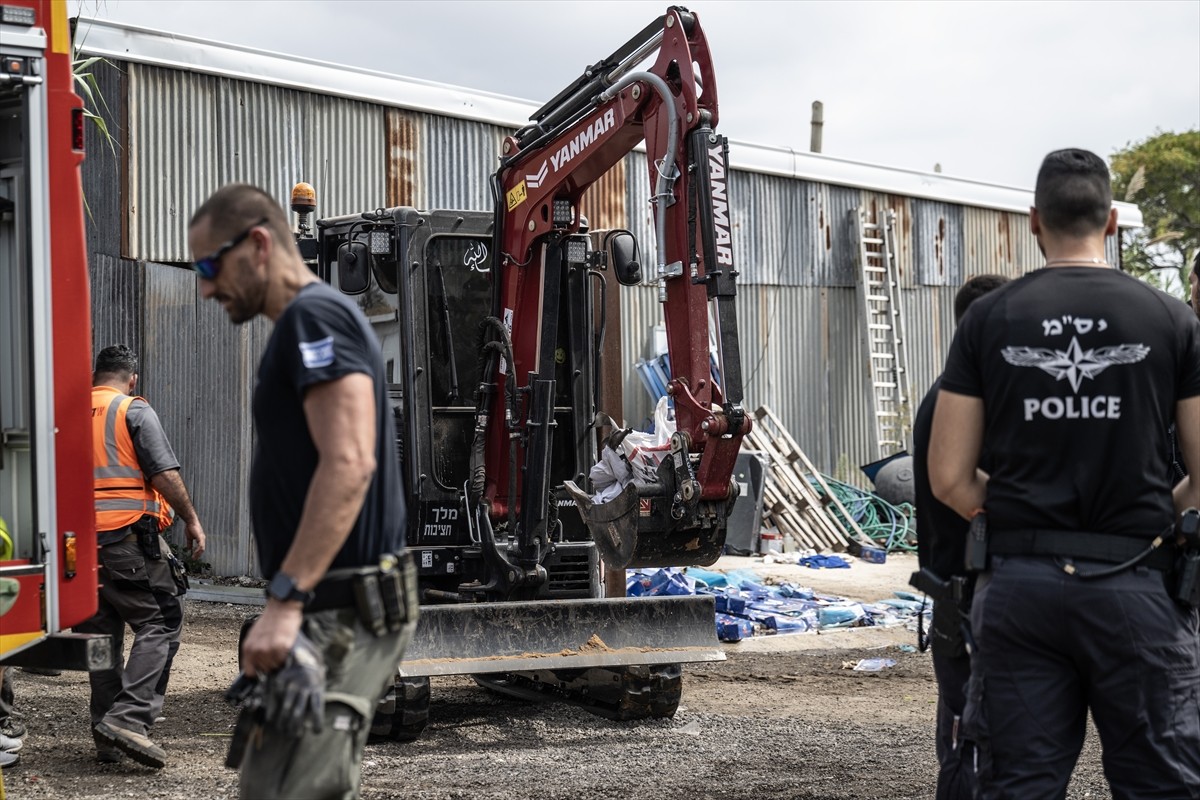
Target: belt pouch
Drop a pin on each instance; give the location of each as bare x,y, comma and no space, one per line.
369,602
391,591
146,529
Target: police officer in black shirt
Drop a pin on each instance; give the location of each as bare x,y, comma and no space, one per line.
326,504
940,544
1069,378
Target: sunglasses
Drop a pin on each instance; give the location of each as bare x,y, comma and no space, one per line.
209,266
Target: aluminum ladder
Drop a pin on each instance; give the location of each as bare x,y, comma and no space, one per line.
885,350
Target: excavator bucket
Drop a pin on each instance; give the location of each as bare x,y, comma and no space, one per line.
480,638
634,530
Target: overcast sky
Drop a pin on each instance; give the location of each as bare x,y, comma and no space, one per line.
983,88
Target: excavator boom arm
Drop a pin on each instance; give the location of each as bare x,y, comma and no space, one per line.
546,169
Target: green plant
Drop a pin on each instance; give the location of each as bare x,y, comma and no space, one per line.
1160,174
89,91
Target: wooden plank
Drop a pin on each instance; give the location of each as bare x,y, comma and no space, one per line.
848,528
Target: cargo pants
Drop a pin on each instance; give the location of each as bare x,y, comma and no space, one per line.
1051,646
327,765
952,669
142,593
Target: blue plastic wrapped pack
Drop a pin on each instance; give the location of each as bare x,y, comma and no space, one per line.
841,616
733,629
708,577
824,562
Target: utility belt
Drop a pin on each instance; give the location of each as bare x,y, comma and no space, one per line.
1087,545
384,595
145,532
1180,564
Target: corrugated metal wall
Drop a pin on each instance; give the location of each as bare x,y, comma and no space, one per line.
187,134
197,371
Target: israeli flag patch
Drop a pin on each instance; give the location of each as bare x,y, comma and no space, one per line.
317,354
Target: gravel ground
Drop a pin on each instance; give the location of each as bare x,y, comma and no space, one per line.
784,724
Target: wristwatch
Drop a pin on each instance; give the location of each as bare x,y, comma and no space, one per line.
283,587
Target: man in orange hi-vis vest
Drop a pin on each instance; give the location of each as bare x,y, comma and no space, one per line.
138,491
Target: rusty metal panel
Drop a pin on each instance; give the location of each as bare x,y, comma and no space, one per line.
189,134
457,159
930,321
998,243
402,157
639,215
938,243
604,202
839,267
876,205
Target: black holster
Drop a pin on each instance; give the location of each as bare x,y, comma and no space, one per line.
1183,580
977,544
146,529
950,625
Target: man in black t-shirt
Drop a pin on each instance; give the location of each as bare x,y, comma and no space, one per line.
1069,377
326,500
941,534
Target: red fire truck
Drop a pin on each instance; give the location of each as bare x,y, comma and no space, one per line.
48,539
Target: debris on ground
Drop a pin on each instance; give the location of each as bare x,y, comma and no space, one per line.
746,606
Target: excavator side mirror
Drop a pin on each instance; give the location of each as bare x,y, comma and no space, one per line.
353,267
622,249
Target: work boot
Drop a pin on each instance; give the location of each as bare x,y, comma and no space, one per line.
105,752
53,673
133,744
9,759
9,744
13,729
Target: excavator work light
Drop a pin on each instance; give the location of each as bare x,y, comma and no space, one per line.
576,251
17,15
563,213
380,241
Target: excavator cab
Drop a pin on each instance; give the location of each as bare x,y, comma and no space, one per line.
424,281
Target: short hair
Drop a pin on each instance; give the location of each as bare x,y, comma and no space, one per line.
1074,193
1196,263
116,359
974,289
234,206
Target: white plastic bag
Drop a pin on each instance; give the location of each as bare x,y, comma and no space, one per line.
635,458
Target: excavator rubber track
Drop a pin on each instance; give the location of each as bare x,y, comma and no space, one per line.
403,711
622,694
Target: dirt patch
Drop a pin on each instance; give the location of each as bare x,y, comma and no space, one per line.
789,725
594,644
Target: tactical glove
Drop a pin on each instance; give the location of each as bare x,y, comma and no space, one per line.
296,691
